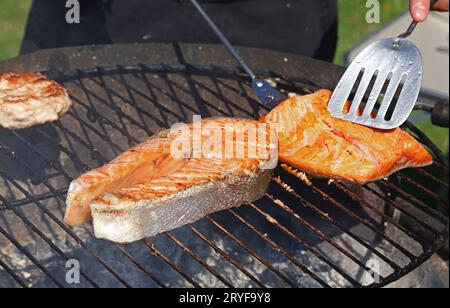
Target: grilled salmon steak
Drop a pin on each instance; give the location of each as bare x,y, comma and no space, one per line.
316,143
30,99
148,189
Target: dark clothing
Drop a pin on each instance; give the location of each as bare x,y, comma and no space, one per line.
305,27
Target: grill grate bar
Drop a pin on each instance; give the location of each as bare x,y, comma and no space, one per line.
157,252
354,215
56,220
195,87
140,266
70,154
71,233
13,274
440,165
431,176
420,204
381,214
403,211
317,232
36,230
227,101
29,145
97,117
226,256
141,76
155,89
92,149
141,111
66,151
199,260
30,257
326,217
422,188
274,222
39,197
362,221
86,247
96,131
131,102
256,255
103,120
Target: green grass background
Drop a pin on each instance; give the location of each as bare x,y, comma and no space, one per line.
352,29
352,22
13,17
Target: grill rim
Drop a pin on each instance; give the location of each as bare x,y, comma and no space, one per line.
238,74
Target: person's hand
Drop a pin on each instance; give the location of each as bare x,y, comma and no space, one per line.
421,8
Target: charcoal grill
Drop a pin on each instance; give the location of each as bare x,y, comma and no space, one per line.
302,233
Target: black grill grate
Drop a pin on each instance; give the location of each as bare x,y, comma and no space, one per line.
300,233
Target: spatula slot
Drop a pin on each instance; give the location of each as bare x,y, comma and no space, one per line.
380,98
367,94
395,99
347,107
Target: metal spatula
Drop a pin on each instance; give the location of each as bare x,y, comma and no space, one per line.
389,73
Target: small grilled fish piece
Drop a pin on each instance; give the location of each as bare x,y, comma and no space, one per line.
28,99
313,141
146,190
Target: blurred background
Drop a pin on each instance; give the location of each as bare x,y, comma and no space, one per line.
352,30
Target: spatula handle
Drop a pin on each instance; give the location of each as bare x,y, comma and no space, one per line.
224,40
414,23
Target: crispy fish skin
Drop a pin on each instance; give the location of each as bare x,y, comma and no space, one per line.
313,141
29,99
146,191
127,222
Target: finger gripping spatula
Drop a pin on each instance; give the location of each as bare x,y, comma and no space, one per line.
391,71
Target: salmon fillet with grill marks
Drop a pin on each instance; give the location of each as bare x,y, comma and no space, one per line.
30,99
148,190
313,141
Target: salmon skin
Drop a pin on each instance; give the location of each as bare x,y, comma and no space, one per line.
316,143
148,190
